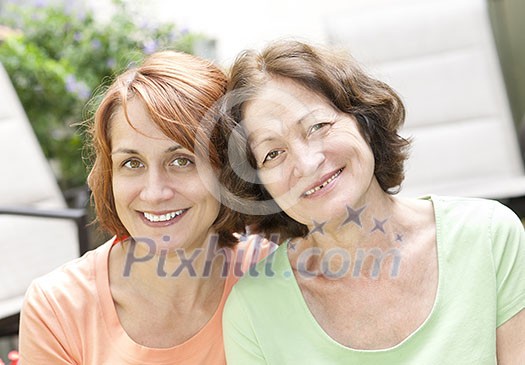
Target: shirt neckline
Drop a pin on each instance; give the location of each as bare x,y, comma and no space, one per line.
124,344
282,252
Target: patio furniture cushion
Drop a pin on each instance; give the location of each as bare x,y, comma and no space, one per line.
29,246
440,56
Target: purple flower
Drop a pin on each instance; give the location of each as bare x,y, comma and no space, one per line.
96,44
40,3
150,46
78,88
144,24
83,91
72,8
71,83
111,63
77,37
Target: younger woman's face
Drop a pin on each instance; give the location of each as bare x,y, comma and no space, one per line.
159,194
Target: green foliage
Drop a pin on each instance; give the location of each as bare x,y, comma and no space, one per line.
59,59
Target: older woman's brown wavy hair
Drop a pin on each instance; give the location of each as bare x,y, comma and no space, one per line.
179,91
338,78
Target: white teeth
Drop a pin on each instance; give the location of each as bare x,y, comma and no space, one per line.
317,188
163,217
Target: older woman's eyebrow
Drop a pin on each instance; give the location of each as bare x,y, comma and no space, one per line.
312,114
315,114
259,142
129,151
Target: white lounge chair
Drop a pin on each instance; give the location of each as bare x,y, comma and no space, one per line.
440,56
37,230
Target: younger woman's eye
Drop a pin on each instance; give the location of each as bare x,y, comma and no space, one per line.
181,162
133,164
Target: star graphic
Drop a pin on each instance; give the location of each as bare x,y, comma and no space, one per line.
353,216
290,245
379,225
399,237
318,227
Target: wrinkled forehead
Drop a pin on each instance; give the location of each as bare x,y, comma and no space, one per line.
282,104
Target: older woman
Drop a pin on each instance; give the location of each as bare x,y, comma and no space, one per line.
364,276
155,293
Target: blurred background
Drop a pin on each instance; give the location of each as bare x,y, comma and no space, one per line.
58,52
59,55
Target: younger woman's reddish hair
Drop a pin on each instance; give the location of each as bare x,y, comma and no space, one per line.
179,91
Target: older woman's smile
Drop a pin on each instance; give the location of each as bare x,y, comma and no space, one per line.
324,183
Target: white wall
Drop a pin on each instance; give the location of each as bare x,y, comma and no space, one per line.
238,24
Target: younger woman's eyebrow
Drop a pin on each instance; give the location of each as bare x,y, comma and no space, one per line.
126,151
173,148
130,151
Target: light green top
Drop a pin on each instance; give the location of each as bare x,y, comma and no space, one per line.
481,284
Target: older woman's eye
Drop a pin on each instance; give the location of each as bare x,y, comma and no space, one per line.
181,162
316,127
133,164
272,155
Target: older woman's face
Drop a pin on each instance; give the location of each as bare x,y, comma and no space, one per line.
159,194
311,157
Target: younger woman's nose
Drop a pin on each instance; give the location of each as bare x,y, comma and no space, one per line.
157,187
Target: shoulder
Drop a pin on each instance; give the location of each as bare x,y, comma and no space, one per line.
69,282
478,214
471,220
465,205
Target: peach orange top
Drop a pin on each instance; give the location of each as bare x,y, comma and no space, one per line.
69,317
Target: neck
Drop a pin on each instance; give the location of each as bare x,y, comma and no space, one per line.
178,273
377,226
367,222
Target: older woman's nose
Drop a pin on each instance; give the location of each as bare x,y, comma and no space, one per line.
307,160
157,187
